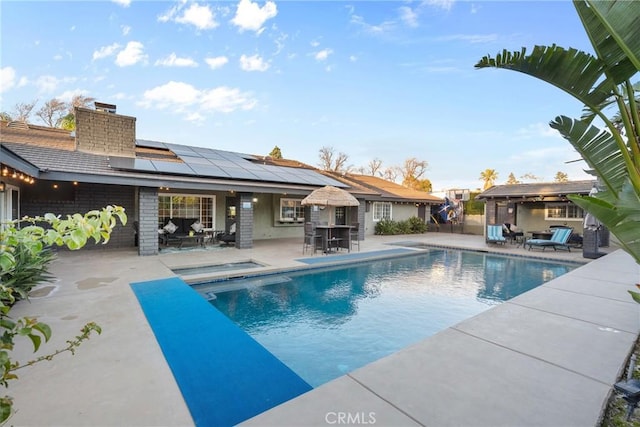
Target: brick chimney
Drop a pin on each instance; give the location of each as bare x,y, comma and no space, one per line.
102,131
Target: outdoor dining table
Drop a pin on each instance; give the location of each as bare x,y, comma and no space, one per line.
545,235
335,237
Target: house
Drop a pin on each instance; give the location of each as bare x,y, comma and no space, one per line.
535,206
103,162
386,199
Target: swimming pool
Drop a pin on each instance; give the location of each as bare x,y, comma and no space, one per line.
327,322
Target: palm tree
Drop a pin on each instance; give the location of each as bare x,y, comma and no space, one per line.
489,176
598,82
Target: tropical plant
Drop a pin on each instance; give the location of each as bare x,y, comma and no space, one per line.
599,82
24,258
488,176
511,179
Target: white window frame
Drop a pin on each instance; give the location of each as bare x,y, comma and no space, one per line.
200,216
297,213
576,215
379,209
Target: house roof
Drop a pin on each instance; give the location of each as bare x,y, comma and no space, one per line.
554,189
52,154
381,189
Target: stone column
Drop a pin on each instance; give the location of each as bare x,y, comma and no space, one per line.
244,221
148,221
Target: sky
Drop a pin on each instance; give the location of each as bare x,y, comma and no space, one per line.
387,80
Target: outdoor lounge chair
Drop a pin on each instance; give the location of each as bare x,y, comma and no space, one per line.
494,234
559,239
230,237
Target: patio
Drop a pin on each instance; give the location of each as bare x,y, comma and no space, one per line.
549,356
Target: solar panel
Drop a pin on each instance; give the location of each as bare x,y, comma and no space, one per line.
172,167
240,173
195,160
209,162
151,144
210,170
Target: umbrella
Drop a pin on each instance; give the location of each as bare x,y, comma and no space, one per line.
590,221
330,196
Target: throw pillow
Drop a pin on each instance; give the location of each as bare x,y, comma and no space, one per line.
170,227
197,226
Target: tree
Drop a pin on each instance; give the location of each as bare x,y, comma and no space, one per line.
330,161
511,179
23,237
374,166
423,185
390,174
5,116
22,111
52,112
489,177
412,170
529,177
561,177
276,153
599,81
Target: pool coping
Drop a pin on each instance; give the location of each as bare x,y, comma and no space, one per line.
526,377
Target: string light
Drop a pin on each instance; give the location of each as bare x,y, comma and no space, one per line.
13,173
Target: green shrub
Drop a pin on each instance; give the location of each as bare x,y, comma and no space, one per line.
386,227
30,268
417,225
413,225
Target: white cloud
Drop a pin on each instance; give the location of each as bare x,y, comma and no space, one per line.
441,4
323,54
123,3
125,29
471,38
314,43
173,61
216,62
408,16
181,96
7,78
131,54
224,99
47,83
105,51
194,118
353,58
178,94
250,16
68,95
57,57
201,17
253,63
23,81
379,29
536,131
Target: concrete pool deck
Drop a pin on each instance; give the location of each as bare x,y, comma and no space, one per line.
547,357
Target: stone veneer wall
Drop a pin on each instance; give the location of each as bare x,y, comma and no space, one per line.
148,222
361,213
105,133
89,197
244,224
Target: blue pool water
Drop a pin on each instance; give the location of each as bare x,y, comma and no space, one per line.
328,322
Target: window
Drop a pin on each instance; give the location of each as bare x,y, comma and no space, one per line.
381,210
186,206
563,211
291,210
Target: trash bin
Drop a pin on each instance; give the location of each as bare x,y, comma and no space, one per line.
590,244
